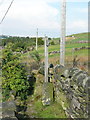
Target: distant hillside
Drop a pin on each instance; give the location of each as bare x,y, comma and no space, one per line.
3,36
75,37
79,36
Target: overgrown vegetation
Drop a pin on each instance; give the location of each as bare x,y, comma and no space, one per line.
14,76
14,73
21,43
35,55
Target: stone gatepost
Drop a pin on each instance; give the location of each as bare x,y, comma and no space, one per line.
47,92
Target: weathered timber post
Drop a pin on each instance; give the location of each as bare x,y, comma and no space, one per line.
47,92
63,32
46,58
37,39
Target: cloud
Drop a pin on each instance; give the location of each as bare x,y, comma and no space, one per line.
4,4
34,13
26,15
82,10
77,26
77,0
67,0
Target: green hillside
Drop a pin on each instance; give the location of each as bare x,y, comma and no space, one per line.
77,37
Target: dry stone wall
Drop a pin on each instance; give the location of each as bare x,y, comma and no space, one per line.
71,91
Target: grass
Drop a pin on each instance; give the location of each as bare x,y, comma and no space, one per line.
53,111
78,37
68,50
82,55
57,47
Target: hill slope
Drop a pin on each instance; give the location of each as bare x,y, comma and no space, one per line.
74,37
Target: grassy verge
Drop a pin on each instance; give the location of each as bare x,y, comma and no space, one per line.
53,111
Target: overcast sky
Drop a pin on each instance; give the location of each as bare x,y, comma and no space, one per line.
25,16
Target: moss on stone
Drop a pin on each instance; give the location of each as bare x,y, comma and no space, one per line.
61,98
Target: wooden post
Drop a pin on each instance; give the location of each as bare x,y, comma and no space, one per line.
63,32
37,39
46,59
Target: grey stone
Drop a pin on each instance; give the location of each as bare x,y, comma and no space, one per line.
47,94
41,69
8,109
59,69
74,83
81,79
85,81
57,77
75,103
75,75
72,71
66,73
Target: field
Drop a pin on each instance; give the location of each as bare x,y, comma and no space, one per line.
70,53
82,54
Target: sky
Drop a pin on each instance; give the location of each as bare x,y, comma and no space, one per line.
25,16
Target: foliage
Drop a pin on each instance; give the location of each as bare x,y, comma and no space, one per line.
35,55
40,41
14,77
19,42
52,43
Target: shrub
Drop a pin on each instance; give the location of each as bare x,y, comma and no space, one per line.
52,43
35,55
14,76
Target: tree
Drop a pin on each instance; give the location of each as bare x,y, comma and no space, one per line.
40,41
52,42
